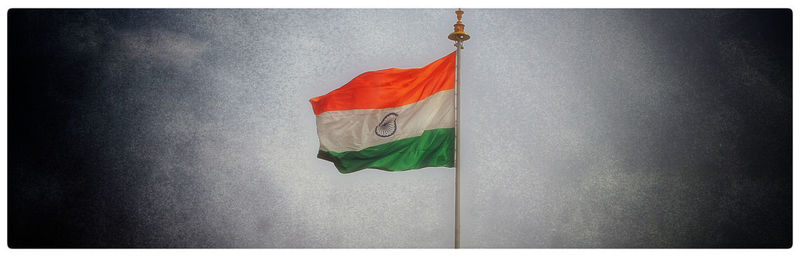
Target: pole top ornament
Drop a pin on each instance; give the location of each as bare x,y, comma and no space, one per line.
458,34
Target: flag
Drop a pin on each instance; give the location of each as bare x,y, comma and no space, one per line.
392,119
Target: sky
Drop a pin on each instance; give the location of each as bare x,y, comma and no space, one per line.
580,128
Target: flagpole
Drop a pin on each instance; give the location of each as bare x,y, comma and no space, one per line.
458,156
459,36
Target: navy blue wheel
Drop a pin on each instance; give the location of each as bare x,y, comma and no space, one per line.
388,125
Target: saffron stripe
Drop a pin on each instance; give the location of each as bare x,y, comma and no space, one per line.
389,88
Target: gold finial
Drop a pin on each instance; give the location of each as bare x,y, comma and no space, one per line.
458,34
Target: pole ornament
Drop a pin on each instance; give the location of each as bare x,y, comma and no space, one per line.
458,34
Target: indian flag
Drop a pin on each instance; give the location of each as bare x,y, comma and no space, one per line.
392,119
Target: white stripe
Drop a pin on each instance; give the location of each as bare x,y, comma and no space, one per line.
353,130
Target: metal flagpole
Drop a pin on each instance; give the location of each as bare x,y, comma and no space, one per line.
459,36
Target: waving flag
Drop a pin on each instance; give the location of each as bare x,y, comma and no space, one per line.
392,119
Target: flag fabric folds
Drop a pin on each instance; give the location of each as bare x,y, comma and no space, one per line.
392,119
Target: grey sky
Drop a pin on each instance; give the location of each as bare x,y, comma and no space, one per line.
581,128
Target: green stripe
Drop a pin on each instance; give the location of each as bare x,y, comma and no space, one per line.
434,148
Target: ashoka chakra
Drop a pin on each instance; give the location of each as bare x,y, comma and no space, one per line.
388,125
